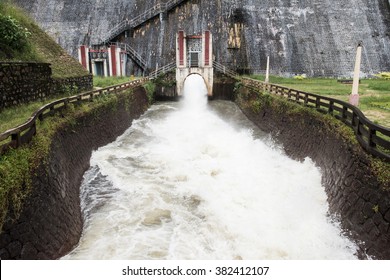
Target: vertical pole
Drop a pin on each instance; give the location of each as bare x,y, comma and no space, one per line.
267,71
354,97
113,60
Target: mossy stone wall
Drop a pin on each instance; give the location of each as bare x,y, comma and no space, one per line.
50,223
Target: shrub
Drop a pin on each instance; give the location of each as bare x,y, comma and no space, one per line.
12,33
300,77
383,75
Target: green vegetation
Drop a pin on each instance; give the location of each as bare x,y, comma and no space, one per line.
384,75
17,167
374,93
17,115
150,88
13,35
256,101
166,80
32,44
102,82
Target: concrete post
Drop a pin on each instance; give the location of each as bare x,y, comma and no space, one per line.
267,71
354,97
84,57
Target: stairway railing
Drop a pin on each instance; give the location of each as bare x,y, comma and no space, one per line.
133,53
224,70
138,20
163,70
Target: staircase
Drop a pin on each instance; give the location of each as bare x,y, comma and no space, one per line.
138,20
163,70
222,69
136,57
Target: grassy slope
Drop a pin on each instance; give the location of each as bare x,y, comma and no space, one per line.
17,115
374,93
42,48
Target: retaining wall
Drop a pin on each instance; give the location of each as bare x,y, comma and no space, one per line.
25,82
80,84
355,195
50,224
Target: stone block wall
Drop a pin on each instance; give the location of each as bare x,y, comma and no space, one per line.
59,86
23,82
26,82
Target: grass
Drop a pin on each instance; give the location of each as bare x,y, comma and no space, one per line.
374,93
17,115
42,47
102,82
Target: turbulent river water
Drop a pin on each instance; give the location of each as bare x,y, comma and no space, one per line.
196,180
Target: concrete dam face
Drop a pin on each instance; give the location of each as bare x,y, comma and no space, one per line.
317,38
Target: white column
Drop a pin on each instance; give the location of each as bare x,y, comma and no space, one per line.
106,72
354,97
267,72
93,67
118,62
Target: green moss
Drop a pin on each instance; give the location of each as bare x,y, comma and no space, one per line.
382,171
256,102
150,88
15,181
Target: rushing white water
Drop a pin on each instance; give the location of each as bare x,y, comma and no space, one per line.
182,183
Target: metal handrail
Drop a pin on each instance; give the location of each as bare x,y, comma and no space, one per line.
160,71
24,133
221,68
134,54
374,138
138,20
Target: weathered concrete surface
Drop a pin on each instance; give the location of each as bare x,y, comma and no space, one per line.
51,224
315,37
354,194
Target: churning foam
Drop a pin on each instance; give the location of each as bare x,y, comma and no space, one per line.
182,183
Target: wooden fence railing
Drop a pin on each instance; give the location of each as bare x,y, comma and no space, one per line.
23,134
374,138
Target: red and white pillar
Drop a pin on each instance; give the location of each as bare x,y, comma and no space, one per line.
181,50
84,57
207,49
114,56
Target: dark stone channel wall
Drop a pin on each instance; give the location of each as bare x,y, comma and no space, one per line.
51,222
354,193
